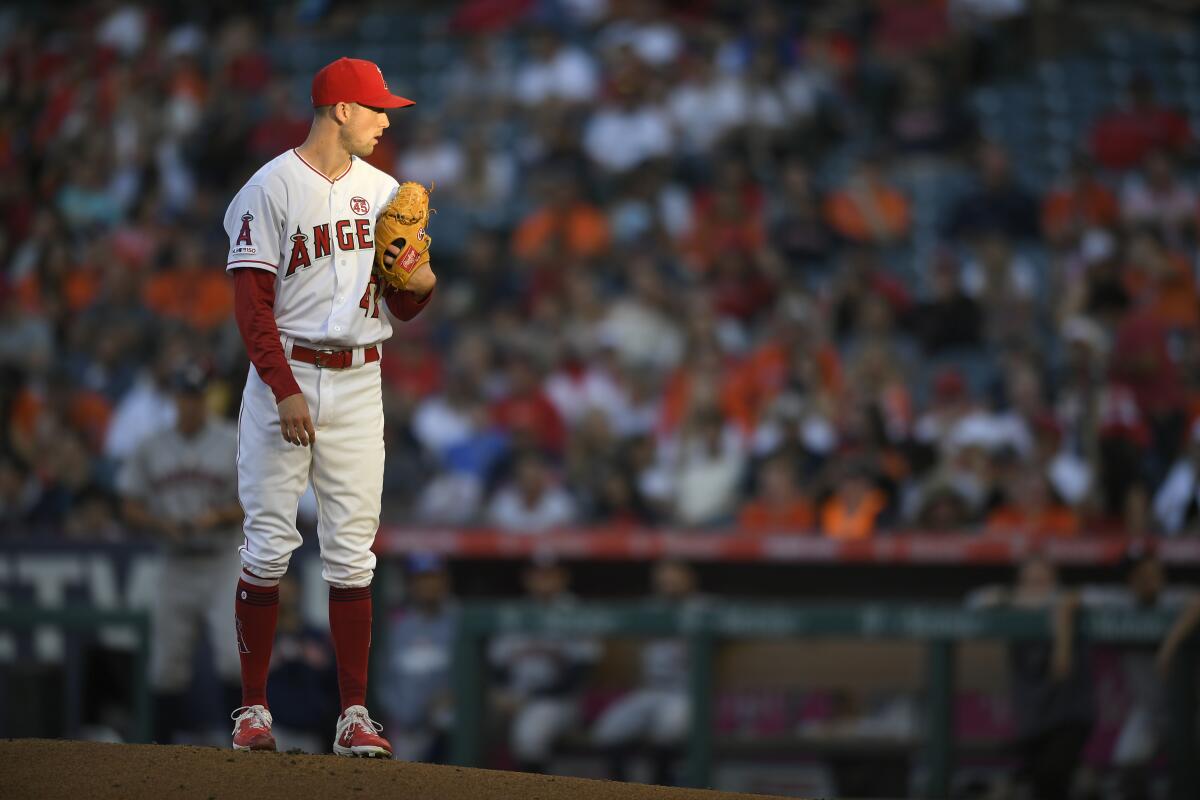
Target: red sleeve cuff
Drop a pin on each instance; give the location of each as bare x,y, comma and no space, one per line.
404,306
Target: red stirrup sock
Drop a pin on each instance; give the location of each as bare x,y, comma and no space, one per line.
350,625
256,609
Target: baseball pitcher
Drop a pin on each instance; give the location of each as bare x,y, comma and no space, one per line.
320,242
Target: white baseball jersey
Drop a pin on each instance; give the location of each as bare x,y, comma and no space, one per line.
317,236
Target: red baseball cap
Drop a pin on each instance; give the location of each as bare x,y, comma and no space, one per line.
353,80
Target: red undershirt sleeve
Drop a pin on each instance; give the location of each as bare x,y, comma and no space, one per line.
254,308
404,306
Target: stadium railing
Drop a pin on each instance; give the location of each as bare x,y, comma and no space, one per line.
941,628
78,621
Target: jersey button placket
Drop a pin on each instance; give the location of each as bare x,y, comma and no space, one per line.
339,256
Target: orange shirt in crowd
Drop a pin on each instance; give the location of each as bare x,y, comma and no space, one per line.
87,412
201,298
859,222
751,387
795,516
582,228
1172,297
840,521
1051,521
1068,209
677,400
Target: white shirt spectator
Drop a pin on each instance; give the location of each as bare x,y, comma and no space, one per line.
620,139
144,409
1179,490
813,430
643,335
658,43
124,30
451,498
568,75
767,106
511,512
972,14
1172,208
439,425
438,164
801,90
574,395
991,432
703,112
585,12
706,483
1022,278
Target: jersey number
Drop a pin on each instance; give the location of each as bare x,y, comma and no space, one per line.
370,298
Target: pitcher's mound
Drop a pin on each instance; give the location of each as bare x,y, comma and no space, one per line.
37,768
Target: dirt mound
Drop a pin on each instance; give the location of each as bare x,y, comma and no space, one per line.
37,768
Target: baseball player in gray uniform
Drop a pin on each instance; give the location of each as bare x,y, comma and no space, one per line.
657,713
542,673
180,484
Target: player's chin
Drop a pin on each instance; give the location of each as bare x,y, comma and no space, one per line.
365,150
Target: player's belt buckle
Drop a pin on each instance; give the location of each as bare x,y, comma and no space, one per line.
319,358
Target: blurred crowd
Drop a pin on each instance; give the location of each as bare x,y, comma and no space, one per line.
679,283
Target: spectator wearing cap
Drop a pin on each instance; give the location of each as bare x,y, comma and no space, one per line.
951,403
417,696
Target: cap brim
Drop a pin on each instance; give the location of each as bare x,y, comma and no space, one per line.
391,101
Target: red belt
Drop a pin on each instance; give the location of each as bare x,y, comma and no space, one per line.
333,359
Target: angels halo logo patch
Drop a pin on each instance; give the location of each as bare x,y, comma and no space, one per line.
359,205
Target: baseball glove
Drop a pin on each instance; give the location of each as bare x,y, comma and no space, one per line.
402,223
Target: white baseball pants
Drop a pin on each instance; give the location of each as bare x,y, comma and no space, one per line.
660,716
345,465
